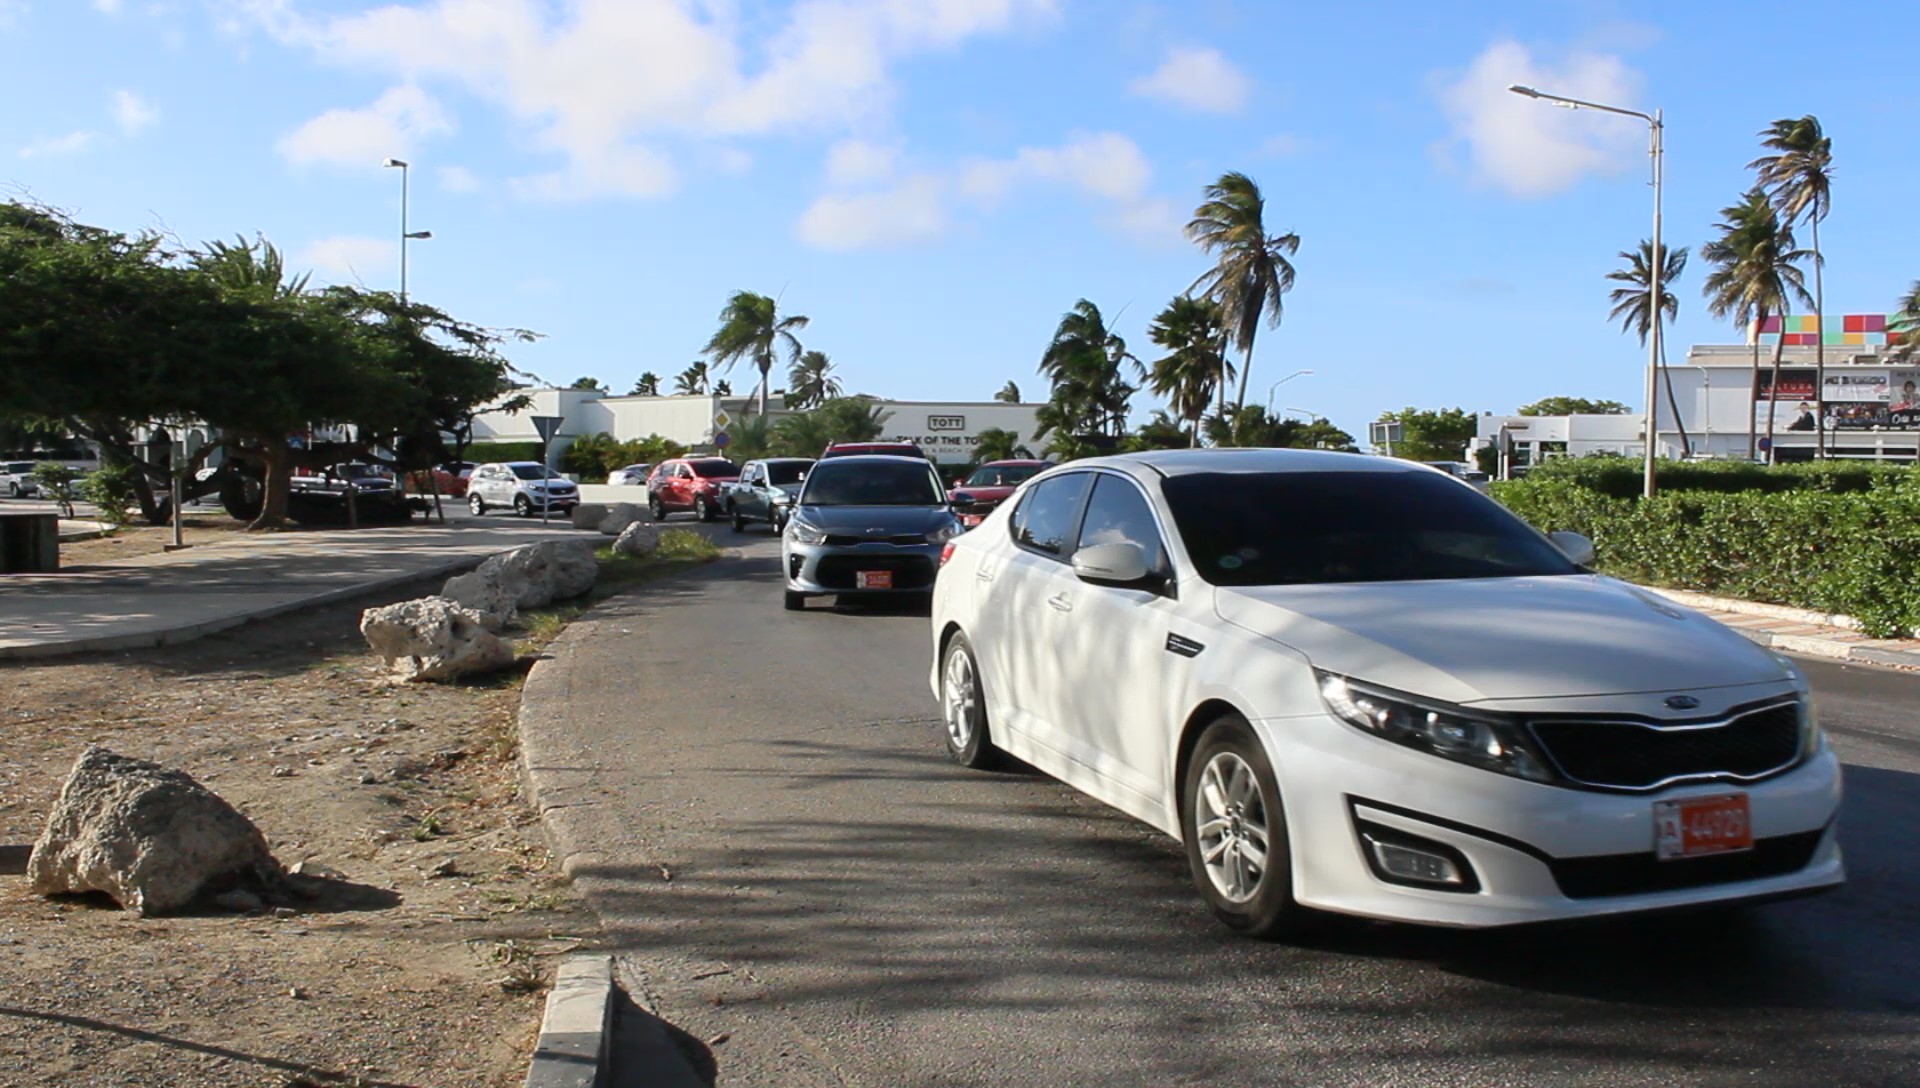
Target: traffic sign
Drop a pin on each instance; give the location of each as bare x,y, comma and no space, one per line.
721,440
1765,444
721,419
547,426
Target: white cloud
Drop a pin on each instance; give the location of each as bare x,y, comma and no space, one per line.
911,214
1201,80
392,126
11,12
602,82
349,257
1531,148
69,144
459,179
107,7
858,162
1104,164
133,112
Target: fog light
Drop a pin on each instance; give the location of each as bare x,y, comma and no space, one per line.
1399,858
1412,864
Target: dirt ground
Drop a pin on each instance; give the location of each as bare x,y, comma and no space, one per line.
210,527
426,964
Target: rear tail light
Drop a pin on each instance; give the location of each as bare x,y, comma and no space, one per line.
946,552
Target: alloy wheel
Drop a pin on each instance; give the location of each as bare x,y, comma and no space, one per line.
959,698
1230,819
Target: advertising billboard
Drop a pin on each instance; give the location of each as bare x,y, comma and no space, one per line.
1872,400
1791,403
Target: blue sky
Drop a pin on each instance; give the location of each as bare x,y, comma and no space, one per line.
935,181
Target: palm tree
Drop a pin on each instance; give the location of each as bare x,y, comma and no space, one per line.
257,266
1251,273
1083,361
1633,306
692,381
1195,338
810,381
751,328
1907,323
1755,276
724,388
648,385
1799,177
1008,394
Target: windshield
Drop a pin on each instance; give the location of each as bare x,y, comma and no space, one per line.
787,472
1300,528
361,472
534,472
872,483
1002,475
711,469
18,468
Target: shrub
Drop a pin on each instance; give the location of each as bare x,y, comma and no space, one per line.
1621,477
110,489
1840,549
485,452
56,483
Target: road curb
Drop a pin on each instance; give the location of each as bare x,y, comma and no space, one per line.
1845,643
172,635
572,1048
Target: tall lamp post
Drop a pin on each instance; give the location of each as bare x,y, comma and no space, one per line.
1655,127
404,234
1277,385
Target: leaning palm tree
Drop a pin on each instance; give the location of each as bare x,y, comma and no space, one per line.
1008,394
1633,306
1906,322
1756,276
1799,177
810,381
1083,361
1251,271
751,328
1195,338
647,385
692,381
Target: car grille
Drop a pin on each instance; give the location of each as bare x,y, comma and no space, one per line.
905,540
1632,755
1638,874
909,571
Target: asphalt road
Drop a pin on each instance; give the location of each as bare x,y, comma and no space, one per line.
790,866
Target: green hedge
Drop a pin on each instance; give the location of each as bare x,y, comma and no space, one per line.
1854,552
1622,477
488,452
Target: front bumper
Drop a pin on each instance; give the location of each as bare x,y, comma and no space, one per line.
1538,853
835,568
553,501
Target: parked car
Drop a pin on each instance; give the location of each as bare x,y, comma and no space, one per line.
526,486
689,483
988,486
320,495
630,476
861,449
1350,684
18,479
765,491
1463,472
449,480
866,526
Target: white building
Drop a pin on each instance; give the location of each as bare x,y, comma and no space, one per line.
947,430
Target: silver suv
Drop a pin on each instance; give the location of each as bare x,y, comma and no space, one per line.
526,486
17,478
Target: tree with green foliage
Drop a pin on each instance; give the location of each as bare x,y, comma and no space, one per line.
646,385
810,381
752,329
1440,435
998,444
589,385
1195,336
1252,271
846,419
1573,406
1008,394
1090,397
1756,275
1252,427
1633,307
692,381
1160,432
1799,178
1906,322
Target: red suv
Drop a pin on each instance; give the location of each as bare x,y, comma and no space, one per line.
689,483
891,449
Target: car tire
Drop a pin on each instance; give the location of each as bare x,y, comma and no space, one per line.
13,490
963,709
794,602
476,504
703,508
656,508
1229,805
739,521
522,507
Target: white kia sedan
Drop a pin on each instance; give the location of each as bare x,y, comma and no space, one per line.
1356,684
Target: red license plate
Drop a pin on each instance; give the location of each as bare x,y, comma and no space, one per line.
1702,825
873,579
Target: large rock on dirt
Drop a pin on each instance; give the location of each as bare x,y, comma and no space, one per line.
620,515
552,570
638,538
587,515
433,638
149,836
491,592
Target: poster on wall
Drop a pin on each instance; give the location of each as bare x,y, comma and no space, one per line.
1791,403
1873,400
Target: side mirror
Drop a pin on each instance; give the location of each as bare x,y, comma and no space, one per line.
1575,547
1120,564
961,498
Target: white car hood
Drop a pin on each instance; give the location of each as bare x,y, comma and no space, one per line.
1470,640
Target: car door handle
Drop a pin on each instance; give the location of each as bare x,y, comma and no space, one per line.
982,574
1060,603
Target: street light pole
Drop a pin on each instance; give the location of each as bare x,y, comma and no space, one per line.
1277,385
405,235
1656,127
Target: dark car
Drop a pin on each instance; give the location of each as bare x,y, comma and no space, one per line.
988,486
765,491
868,526
689,483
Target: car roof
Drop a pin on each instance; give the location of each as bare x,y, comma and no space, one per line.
880,458
784,460
1012,461
1260,461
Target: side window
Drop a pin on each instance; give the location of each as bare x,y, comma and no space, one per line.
1044,521
1118,513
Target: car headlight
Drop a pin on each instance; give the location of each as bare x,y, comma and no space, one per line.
1435,728
945,532
803,533
1810,735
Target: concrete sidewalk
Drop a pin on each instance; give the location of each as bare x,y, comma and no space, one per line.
1798,631
178,596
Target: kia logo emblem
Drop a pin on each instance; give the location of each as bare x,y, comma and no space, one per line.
1682,702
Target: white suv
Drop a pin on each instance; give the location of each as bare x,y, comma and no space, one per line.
526,486
17,478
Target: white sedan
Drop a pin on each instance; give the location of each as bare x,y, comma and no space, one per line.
1355,684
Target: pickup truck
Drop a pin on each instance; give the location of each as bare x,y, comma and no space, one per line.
765,491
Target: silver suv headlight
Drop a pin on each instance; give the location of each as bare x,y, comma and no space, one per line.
1436,728
803,533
